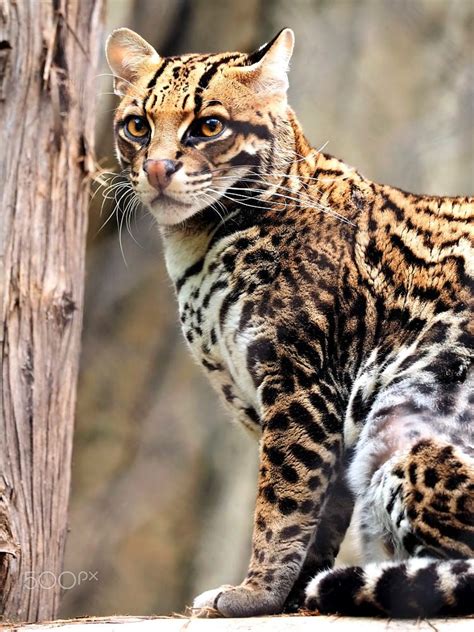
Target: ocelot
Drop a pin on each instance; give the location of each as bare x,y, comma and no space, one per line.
332,313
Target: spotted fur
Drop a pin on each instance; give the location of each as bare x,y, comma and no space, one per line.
333,314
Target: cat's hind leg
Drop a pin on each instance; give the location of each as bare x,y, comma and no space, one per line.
329,534
417,510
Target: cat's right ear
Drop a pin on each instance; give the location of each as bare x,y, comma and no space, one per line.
127,53
267,68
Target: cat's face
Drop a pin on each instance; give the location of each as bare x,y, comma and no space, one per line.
188,128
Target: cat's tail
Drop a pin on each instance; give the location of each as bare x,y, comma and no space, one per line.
417,587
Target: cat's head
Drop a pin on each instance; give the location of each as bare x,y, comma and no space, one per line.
188,128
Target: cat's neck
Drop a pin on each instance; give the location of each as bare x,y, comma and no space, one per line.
303,149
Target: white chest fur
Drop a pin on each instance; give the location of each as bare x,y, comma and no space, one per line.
216,342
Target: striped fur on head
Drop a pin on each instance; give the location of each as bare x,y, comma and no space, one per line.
246,93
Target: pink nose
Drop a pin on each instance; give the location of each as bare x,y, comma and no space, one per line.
159,172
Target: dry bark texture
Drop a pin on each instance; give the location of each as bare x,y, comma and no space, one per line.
48,53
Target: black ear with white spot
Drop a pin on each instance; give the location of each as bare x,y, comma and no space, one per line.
127,54
268,66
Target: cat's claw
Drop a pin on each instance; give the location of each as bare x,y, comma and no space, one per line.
238,601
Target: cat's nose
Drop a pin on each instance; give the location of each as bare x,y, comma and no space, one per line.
159,172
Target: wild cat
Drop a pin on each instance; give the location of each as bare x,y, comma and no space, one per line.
332,313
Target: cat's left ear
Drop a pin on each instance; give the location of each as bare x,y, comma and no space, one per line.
128,54
268,67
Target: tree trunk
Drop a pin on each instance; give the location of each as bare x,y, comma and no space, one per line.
48,55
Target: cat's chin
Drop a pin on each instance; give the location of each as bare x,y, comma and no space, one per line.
170,212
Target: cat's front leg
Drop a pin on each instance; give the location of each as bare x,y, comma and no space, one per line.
297,461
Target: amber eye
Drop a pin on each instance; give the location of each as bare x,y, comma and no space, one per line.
136,127
209,127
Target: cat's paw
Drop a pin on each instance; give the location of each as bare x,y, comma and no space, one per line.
238,601
296,599
204,604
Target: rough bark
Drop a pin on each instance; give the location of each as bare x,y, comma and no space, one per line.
48,54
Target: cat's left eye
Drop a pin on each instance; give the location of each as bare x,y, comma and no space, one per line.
209,127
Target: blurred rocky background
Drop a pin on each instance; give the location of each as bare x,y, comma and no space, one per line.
163,485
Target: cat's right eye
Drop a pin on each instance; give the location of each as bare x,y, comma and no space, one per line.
136,128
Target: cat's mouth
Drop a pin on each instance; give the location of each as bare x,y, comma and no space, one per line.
170,208
171,205
163,197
